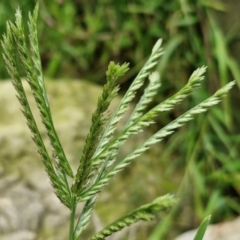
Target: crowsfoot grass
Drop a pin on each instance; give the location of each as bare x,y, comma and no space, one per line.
97,164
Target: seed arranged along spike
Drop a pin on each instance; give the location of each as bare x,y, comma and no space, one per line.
98,162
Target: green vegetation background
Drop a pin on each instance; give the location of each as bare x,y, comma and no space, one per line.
78,38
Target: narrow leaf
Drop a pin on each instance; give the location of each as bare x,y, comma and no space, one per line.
157,137
202,229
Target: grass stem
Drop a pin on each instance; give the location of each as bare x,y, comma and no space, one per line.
72,218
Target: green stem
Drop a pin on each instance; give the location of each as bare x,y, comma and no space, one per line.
73,210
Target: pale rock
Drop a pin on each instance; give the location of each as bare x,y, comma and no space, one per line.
221,231
19,235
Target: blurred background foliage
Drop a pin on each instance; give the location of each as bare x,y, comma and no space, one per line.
78,38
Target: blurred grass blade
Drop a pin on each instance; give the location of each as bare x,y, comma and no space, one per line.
170,48
202,229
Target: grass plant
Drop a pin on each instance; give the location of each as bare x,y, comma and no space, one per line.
98,163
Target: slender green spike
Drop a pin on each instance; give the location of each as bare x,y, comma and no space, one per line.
99,118
147,97
35,57
31,64
128,97
35,53
10,60
84,217
147,119
149,93
123,106
146,213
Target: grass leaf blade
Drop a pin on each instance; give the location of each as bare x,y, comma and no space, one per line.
202,228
